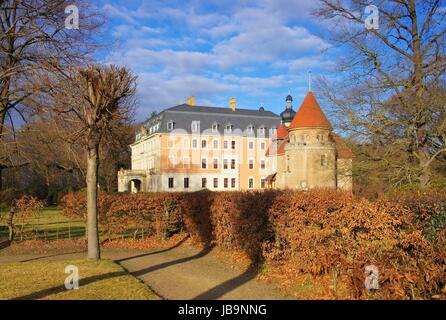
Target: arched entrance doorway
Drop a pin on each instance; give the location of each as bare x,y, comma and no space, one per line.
135,186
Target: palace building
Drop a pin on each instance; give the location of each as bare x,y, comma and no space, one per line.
189,148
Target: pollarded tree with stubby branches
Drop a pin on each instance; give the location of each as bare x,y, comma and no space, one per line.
392,87
87,104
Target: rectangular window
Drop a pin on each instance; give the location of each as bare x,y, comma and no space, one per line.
215,183
195,126
194,143
215,164
225,145
171,162
251,183
323,160
203,163
170,183
225,183
262,146
262,164
262,183
203,144
215,144
233,145
186,183
186,164
251,145
251,164
233,164
233,183
204,182
225,164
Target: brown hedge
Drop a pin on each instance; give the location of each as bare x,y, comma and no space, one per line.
318,232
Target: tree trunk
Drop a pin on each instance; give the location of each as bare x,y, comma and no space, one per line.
11,225
92,202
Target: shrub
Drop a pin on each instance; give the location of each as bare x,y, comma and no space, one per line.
319,232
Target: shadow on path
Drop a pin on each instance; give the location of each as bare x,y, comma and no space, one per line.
154,252
142,272
228,286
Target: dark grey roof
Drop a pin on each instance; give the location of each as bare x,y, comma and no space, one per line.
183,115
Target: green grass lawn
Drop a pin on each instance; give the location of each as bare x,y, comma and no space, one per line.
98,280
50,224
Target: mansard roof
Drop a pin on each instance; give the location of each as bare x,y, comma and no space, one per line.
241,119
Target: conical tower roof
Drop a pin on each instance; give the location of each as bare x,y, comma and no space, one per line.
310,115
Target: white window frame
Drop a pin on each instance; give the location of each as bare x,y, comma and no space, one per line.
195,126
253,163
186,163
253,183
264,163
213,162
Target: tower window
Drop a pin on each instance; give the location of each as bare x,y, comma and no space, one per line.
323,160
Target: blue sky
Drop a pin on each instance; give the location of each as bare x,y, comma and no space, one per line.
217,49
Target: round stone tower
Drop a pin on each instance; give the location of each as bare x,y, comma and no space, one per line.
311,152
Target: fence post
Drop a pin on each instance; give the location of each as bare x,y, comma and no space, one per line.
69,230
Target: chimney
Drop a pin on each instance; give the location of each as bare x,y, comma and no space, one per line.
191,101
232,104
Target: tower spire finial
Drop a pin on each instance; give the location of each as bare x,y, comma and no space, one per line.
309,81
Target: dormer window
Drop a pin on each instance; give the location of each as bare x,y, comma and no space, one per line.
272,131
228,128
250,129
215,127
262,131
195,126
170,125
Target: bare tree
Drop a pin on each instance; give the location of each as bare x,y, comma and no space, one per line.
34,39
392,87
93,102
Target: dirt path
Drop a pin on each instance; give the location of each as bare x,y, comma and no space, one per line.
177,273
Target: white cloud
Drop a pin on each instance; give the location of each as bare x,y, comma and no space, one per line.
248,48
